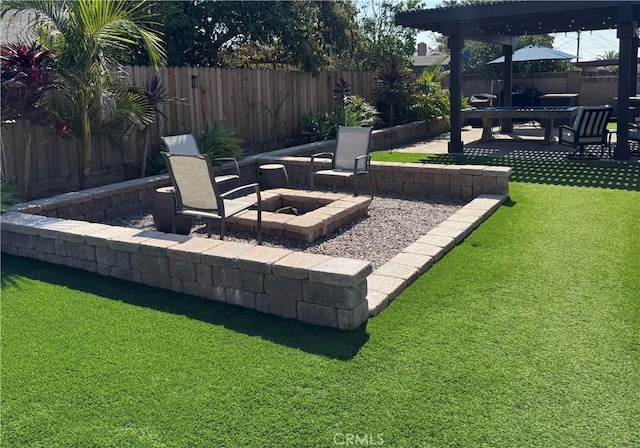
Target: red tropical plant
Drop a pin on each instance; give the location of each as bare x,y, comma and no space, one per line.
27,75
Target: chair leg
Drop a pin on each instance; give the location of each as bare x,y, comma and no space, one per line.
259,224
355,185
222,228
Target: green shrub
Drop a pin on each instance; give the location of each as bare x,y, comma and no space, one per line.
7,194
219,140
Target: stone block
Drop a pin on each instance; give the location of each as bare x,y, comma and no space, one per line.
104,270
183,270
124,260
416,188
461,179
214,292
397,270
283,307
441,189
430,250
388,285
317,314
81,251
204,274
106,256
252,281
150,264
245,299
340,271
261,258
191,248
158,243
46,245
225,254
352,319
421,262
262,303
156,280
287,288
297,264
21,241
333,295
457,235
447,243
176,285
377,301
227,277
126,274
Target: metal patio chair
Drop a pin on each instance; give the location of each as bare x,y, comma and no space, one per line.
589,128
197,193
350,159
186,144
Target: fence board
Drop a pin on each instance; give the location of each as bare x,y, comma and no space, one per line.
249,100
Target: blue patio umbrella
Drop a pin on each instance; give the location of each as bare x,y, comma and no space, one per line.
533,53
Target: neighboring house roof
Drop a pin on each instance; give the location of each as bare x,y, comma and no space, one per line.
431,59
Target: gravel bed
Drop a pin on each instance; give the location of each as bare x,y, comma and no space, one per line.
393,223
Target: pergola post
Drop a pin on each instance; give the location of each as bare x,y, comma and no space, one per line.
626,33
455,44
507,50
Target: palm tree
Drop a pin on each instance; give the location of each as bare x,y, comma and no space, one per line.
89,38
608,55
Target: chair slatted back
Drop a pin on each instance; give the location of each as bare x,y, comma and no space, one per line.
592,121
192,177
181,144
351,142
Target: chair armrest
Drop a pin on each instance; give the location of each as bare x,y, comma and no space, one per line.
253,186
228,159
356,162
322,154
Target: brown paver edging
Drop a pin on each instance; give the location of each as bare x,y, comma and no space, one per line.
390,279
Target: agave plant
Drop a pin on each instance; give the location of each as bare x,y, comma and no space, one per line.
219,140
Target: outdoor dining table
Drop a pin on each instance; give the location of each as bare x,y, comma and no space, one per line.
545,115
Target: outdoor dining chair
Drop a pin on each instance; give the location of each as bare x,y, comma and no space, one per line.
350,159
186,144
589,128
197,194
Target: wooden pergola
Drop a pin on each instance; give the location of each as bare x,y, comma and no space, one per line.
502,22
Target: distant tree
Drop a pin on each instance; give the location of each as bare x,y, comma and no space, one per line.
609,55
382,39
302,34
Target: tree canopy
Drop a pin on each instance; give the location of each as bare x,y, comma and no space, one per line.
302,34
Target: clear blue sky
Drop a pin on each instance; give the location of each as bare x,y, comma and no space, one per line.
592,43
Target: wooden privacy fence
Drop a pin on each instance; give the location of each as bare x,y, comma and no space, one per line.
256,103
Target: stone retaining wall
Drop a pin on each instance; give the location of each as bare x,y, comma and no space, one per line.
466,181
316,289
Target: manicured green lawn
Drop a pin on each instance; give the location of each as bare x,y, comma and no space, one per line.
527,334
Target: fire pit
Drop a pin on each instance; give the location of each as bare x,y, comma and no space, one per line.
301,215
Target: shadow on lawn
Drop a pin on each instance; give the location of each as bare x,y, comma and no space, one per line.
540,169
322,341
